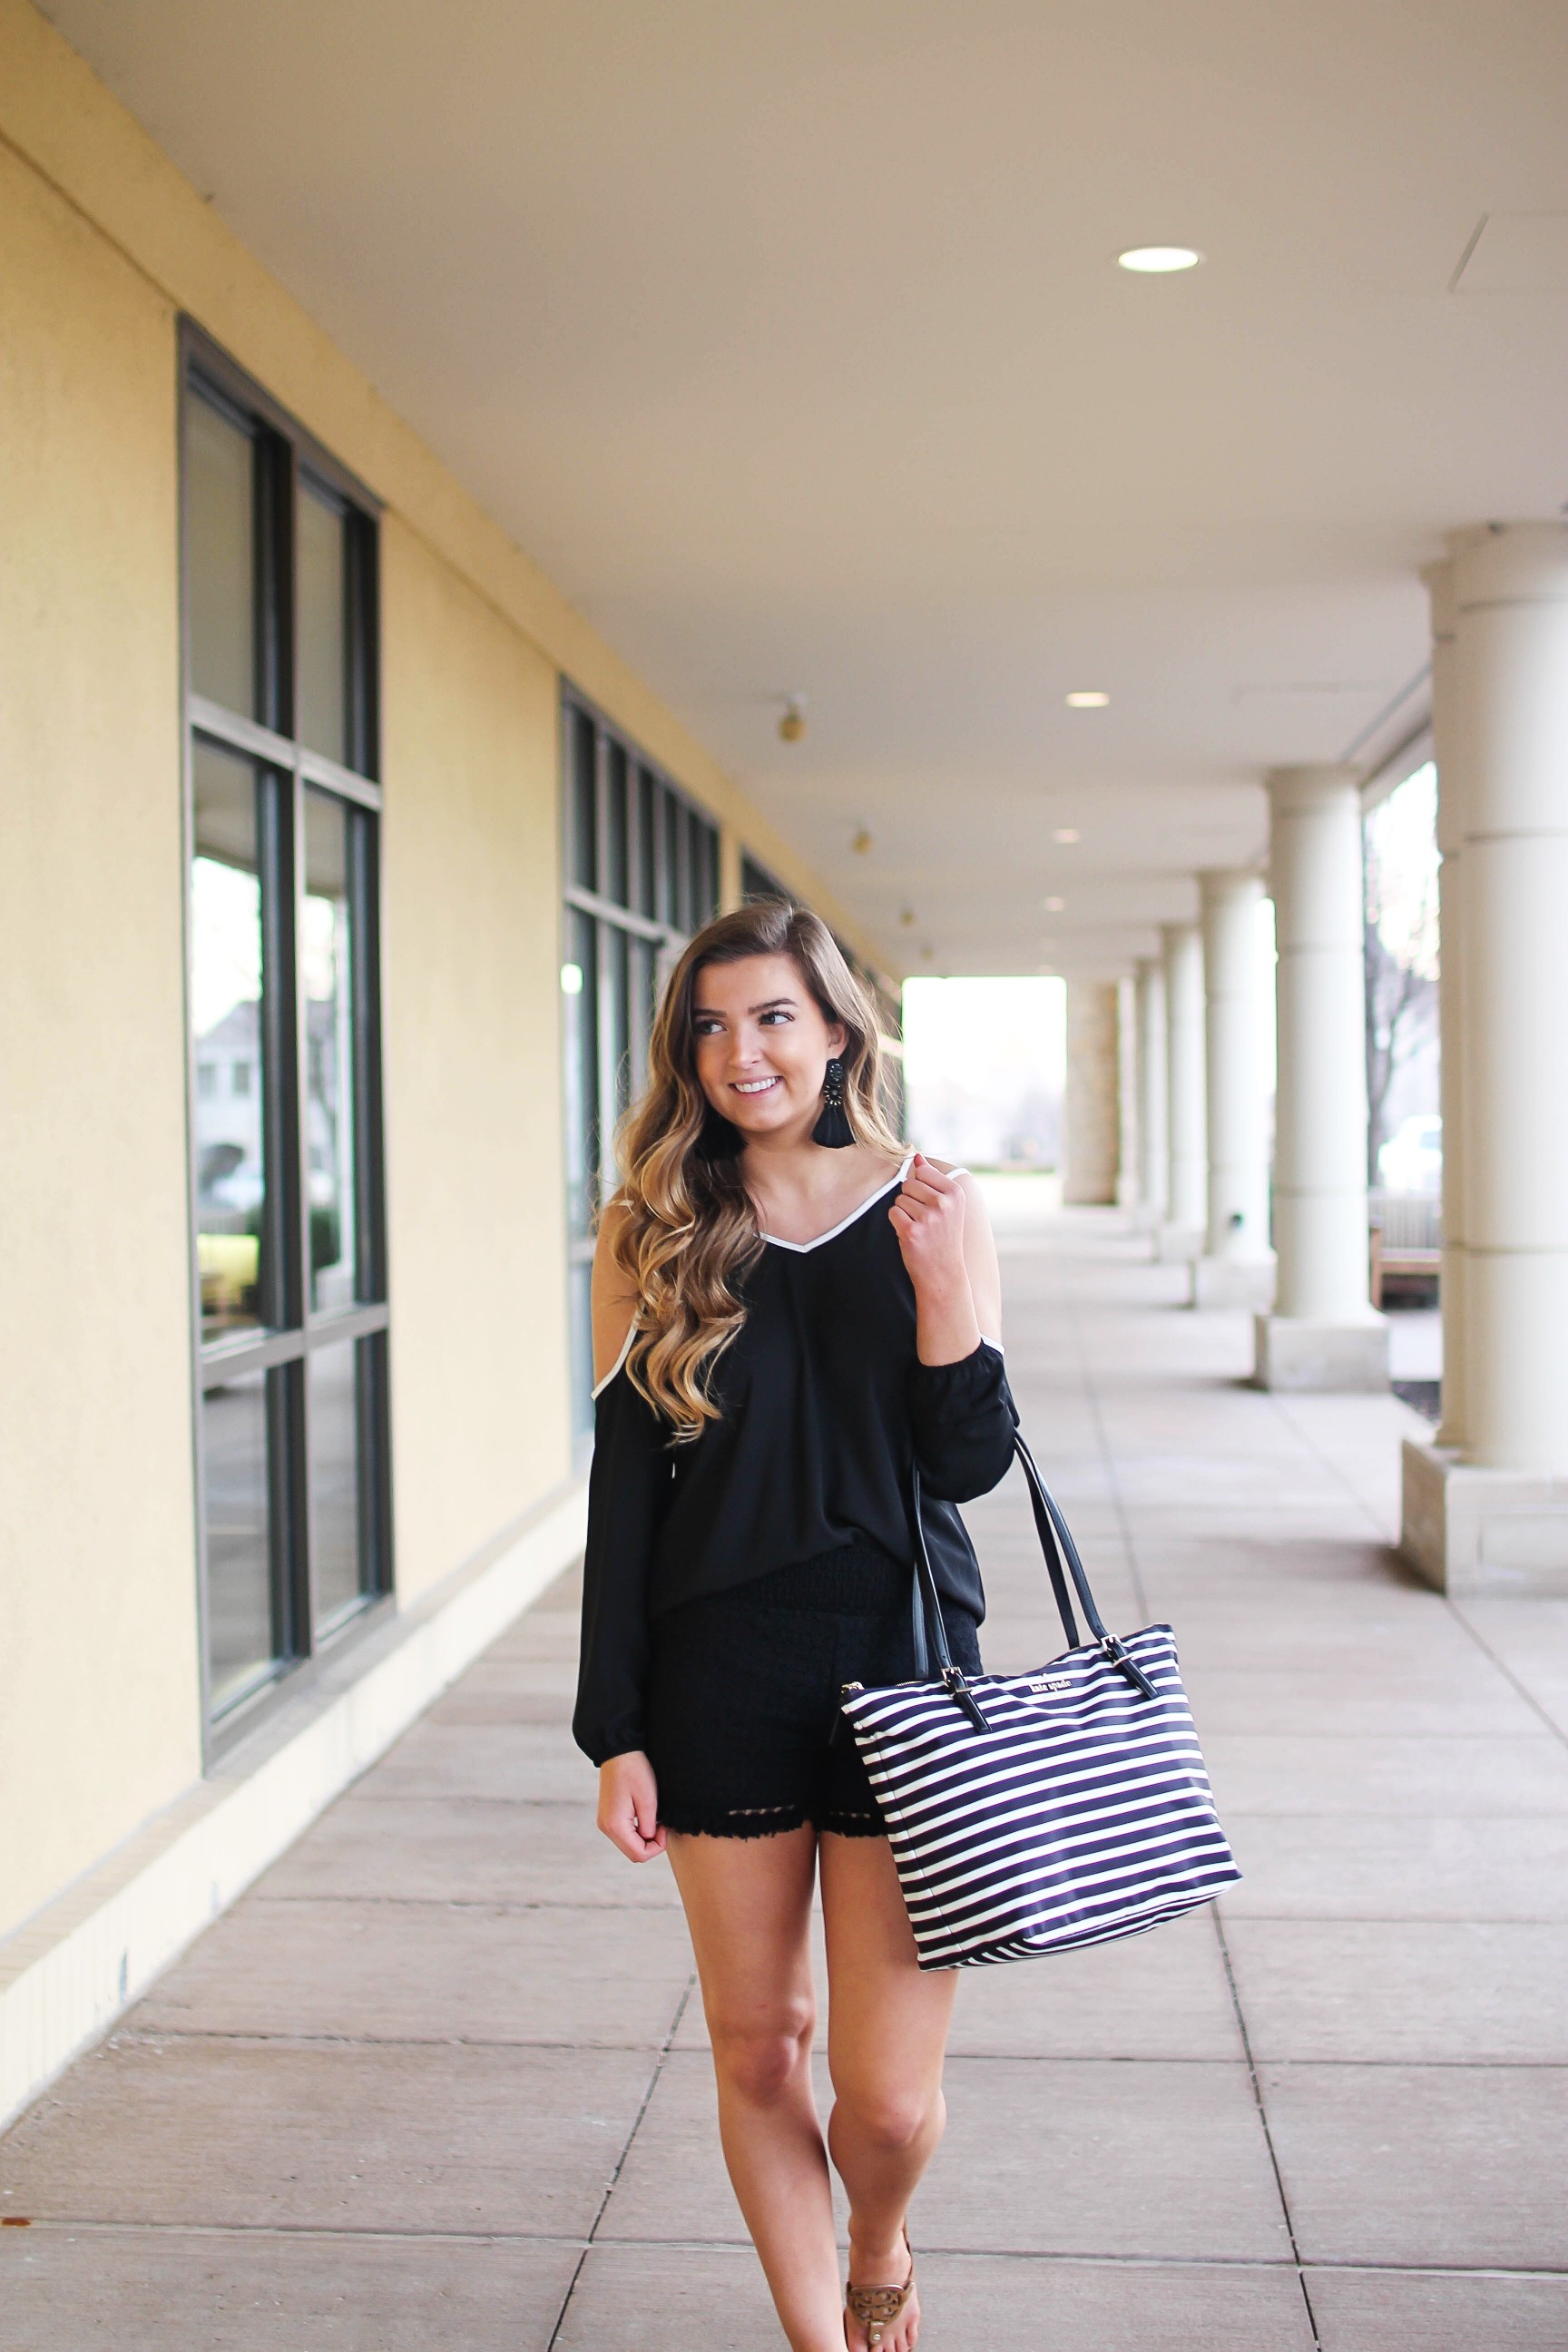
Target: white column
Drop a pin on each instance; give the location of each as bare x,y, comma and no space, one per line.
1439,579
1187,1210
1154,1169
1236,1268
1492,1515
1323,1332
1129,1190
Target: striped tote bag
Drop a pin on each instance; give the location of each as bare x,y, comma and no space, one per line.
1035,1812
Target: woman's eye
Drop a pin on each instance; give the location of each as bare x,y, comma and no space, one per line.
708,1028
777,1016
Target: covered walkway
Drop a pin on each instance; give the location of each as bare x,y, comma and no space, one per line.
439,2079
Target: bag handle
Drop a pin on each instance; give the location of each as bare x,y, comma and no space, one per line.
1062,1563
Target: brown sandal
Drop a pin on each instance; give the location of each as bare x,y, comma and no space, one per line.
877,2307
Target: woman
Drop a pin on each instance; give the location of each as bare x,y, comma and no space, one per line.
787,1319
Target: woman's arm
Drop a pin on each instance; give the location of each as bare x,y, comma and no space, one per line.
630,1471
960,1406
945,1236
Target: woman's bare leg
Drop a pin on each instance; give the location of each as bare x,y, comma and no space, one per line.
748,1905
886,2035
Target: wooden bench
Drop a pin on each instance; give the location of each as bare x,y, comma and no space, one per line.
1406,1242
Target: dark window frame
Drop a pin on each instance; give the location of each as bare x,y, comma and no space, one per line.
291,1329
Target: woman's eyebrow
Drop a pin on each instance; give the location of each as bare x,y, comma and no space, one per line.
772,1003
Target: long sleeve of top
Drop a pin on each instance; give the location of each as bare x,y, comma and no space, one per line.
964,1418
628,1487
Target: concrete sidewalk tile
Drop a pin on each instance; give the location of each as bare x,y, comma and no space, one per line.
671,2299
1358,1700
1163,1995
429,1972
539,1634
673,2183
1093,2157
479,1703
972,2303
1350,1866
1438,2311
1460,2167
1300,1774
188,2291
351,2136
506,1760
465,1850
1418,1992
651,2299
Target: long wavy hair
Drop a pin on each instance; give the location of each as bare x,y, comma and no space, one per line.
686,1231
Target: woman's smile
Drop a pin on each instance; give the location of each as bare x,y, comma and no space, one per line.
755,1085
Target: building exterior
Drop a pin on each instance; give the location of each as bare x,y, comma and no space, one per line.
343,861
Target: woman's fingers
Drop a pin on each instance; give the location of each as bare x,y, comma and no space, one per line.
628,1806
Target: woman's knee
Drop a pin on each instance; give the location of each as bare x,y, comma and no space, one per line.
758,2056
894,2117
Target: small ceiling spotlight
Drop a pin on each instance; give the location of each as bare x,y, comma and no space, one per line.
1159,261
792,726
861,841
1056,906
908,919
1088,697
1066,835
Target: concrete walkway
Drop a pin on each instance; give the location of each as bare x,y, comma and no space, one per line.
439,2080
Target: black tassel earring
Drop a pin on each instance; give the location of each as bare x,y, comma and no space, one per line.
833,1130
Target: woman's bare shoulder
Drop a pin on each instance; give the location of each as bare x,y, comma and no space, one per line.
614,1296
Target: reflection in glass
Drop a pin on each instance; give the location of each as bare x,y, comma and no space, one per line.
647,843
220,526
669,888
579,1009
644,982
326,982
613,1040
226,1016
615,877
582,823
242,1630
321,582
333,1418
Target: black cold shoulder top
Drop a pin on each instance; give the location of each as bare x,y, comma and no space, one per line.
825,1408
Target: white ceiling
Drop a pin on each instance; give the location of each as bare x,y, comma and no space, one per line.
789,337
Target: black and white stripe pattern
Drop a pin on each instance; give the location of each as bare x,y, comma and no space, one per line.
1082,1814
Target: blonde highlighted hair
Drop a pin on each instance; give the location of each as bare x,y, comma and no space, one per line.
685,1231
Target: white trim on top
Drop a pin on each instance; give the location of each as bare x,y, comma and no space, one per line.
844,1224
599,1386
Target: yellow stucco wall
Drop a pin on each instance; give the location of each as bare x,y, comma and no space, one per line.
477,1212
99,1718
103,245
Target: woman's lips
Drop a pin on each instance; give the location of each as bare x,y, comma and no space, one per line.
755,1085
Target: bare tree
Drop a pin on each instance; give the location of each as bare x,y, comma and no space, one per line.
1400,954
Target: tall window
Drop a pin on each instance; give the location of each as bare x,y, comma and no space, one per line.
642,874
283,823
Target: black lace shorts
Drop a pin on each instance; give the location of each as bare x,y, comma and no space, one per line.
744,1686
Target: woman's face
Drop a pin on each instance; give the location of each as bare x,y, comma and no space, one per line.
762,1044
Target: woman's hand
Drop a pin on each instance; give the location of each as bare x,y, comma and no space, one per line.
628,1805
928,1218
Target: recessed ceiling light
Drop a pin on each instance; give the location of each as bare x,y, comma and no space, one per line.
1159,261
1089,698
1055,906
1066,835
